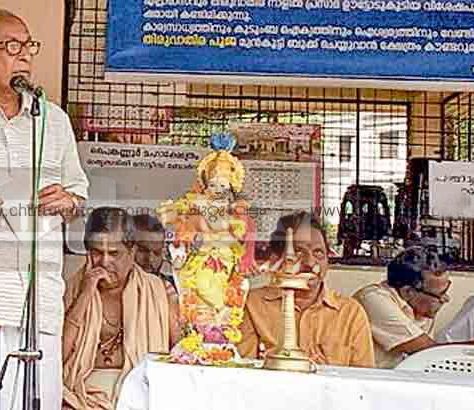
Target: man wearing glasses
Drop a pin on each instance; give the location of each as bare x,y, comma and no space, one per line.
402,309
62,186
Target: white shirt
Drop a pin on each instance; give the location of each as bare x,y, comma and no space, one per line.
392,322
461,328
60,165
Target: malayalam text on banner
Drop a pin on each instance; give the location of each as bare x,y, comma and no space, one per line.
451,189
352,39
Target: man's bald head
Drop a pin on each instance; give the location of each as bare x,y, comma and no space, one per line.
13,28
8,15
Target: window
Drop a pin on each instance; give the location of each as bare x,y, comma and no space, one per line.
345,146
389,144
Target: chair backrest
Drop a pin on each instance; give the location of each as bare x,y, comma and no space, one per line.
453,359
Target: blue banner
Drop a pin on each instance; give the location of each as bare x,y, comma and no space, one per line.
372,39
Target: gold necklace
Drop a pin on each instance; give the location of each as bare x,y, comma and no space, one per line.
110,346
110,323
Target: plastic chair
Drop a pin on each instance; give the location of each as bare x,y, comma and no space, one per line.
453,359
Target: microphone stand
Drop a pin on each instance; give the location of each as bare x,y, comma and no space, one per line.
30,354
31,390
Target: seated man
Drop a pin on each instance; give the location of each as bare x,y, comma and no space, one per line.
150,238
402,309
115,314
333,329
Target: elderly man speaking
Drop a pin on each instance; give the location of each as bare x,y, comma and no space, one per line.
62,186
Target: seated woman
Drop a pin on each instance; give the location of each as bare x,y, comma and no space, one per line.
115,314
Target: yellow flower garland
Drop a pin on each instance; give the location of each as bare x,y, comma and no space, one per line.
194,342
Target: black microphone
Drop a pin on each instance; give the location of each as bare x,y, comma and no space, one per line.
20,84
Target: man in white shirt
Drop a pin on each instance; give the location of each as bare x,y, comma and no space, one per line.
62,186
401,310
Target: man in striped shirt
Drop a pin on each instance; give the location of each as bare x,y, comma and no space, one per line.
62,186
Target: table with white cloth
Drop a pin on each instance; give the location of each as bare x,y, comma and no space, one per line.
164,386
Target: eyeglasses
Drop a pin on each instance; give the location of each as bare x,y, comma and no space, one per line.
316,253
14,47
442,297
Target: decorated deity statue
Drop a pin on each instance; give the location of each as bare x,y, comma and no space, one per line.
214,237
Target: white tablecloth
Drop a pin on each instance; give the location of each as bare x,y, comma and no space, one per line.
161,386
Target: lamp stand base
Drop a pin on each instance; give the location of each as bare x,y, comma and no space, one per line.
294,360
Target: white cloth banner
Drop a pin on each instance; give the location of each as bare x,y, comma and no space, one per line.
155,385
451,188
156,173
140,177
